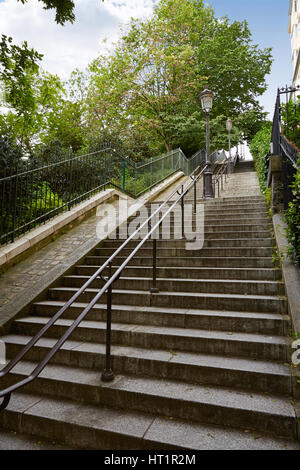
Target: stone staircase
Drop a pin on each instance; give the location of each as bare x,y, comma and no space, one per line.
199,365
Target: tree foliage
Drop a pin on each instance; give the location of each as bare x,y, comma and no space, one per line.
27,119
17,65
293,218
260,148
64,9
145,94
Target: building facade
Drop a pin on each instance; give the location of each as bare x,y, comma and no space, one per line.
294,31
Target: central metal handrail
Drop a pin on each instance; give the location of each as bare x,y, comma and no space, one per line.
107,374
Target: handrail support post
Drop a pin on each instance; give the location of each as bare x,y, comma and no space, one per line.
154,289
182,215
107,374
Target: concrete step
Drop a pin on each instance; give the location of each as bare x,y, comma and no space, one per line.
233,200
239,223
218,225
263,274
214,218
181,252
235,210
210,216
189,261
208,243
190,402
247,322
157,337
243,235
217,208
220,301
15,441
185,285
224,235
201,368
86,426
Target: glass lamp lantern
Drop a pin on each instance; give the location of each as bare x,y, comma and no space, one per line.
229,125
206,98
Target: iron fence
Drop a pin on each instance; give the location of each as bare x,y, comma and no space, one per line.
31,194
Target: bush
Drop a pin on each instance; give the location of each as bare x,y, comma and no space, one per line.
10,158
260,147
293,219
290,118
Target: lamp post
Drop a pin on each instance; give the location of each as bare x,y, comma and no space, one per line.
206,98
229,127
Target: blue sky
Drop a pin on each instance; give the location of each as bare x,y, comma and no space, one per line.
76,45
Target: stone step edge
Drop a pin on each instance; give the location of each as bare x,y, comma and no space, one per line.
158,389
171,279
139,430
180,311
238,337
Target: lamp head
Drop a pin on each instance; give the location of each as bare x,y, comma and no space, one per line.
229,124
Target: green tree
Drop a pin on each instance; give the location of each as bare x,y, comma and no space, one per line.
64,9
293,218
260,148
66,119
27,119
17,66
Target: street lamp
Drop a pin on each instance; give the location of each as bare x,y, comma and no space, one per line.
206,98
229,128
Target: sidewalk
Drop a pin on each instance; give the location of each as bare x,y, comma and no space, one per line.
22,282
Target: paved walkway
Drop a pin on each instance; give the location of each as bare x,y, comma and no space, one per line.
29,271
42,267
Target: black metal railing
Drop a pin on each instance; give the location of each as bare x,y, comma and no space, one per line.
31,194
285,137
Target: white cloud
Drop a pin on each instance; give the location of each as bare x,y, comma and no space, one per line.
71,46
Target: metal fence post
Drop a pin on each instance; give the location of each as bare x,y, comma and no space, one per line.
154,289
124,174
70,185
15,191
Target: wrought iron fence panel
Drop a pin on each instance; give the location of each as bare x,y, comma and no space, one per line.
31,193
